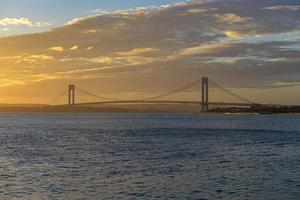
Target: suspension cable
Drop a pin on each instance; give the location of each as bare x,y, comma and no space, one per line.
57,97
95,95
231,93
173,91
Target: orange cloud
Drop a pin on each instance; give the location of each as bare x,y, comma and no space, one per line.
57,48
231,18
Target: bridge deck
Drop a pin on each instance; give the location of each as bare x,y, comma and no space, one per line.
162,102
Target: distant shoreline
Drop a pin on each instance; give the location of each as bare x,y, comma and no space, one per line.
95,110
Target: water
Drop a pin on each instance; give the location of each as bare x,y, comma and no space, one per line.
149,156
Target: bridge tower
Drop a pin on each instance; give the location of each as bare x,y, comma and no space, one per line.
204,94
71,95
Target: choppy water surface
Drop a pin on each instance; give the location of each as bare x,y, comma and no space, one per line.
149,156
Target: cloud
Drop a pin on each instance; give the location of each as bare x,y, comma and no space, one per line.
231,18
22,22
91,31
74,48
5,30
209,48
104,60
283,7
233,34
236,41
138,51
43,24
76,20
100,11
165,6
196,10
33,58
16,22
57,48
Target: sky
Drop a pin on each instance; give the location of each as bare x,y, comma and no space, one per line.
133,48
55,13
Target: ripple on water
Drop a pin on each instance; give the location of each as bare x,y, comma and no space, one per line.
139,156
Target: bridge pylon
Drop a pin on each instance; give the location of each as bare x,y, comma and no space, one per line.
204,102
71,96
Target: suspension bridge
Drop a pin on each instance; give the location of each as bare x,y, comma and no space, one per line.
203,92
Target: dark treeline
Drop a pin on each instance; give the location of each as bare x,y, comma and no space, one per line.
259,109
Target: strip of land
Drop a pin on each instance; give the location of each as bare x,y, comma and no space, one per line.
145,108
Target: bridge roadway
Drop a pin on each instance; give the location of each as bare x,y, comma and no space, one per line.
162,102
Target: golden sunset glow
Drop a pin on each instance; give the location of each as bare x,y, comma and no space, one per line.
152,49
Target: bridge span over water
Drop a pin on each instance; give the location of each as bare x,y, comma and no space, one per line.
203,92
